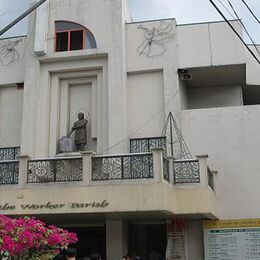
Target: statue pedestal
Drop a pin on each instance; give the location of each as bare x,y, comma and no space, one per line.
68,154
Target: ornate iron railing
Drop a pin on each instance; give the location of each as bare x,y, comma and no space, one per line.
210,179
144,145
166,169
186,171
9,153
122,167
55,170
9,172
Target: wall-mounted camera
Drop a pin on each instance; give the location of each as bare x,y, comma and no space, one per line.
184,74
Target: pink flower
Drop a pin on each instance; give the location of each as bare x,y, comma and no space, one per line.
23,234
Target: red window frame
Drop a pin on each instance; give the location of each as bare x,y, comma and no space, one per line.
69,33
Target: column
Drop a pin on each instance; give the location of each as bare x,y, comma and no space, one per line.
203,169
23,161
116,239
87,166
158,164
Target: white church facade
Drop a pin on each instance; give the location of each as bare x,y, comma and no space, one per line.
170,137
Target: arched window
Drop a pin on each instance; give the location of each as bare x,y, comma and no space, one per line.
72,36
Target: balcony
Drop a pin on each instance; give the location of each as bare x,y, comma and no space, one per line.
147,181
9,153
9,165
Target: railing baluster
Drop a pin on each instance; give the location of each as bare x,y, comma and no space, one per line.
9,172
132,166
55,170
186,171
144,145
122,167
9,153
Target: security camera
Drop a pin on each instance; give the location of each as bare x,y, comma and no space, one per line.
184,74
182,71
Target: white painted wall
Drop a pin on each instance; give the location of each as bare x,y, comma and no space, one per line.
13,73
252,67
41,29
146,111
214,97
230,136
138,48
209,44
110,36
138,61
194,240
11,107
183,95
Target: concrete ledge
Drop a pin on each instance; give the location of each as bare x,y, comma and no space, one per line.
108,199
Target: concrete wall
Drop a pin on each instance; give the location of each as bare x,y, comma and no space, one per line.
145,95
142,57
215,97
231,138
162,55
107,64
183,95
13,72
11,108
209,44
194,240
252,67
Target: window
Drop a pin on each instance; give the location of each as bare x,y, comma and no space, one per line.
72,36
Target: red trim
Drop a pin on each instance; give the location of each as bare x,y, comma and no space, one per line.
83,46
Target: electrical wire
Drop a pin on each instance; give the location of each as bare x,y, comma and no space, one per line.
235,18
234,30
228,11
250,10
248,34
144,124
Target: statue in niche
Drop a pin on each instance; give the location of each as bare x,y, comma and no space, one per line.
80,132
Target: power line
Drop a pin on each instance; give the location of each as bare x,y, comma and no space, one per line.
248,34
233,29
250,10
144,124
227,10
18,19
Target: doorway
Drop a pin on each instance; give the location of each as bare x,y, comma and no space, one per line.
91,240
148,239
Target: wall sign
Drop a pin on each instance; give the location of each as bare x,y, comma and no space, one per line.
52,206
176,239
232,239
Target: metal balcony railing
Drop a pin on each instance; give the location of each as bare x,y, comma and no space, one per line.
9,153
210,179
186,171
88,168
166,169
55,170
122,167
9,172
144,145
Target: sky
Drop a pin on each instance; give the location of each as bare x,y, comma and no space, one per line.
185,11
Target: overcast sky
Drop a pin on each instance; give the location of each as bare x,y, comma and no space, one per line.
185,11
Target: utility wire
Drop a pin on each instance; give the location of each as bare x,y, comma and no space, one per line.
248,34
18,19
250,10
144,124
228,11
233,29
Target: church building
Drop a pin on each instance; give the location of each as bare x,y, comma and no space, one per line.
141,137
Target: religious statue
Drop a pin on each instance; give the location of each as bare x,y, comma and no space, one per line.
80,132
